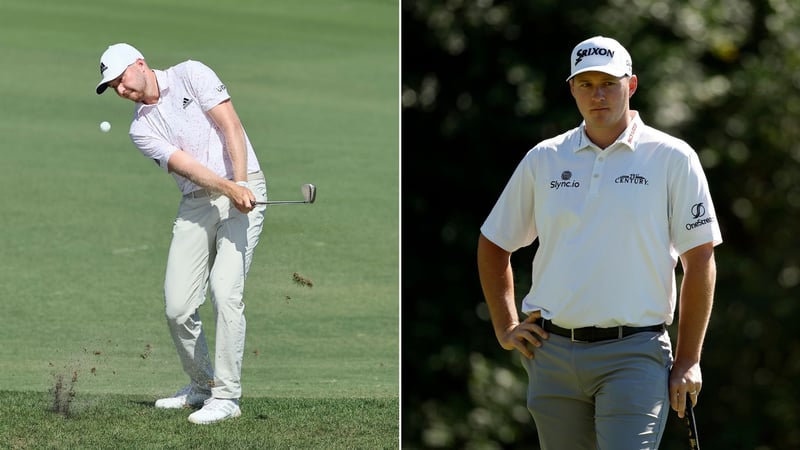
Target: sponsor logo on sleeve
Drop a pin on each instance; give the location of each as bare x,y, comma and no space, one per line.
698,212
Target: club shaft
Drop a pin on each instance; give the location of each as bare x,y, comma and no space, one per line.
280,202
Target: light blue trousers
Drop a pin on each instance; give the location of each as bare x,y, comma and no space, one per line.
211,250
608,395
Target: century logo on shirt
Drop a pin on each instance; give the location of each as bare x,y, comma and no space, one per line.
698,210
631,178
566,181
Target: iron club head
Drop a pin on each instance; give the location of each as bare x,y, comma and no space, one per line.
308,190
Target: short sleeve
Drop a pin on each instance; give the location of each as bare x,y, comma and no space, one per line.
511,224
693,219
159,150
206,86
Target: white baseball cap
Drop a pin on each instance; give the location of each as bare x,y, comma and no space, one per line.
601,54
114,61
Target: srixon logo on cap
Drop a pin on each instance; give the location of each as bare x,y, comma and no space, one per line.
583,53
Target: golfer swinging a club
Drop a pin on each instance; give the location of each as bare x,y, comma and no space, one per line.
614,204
184,120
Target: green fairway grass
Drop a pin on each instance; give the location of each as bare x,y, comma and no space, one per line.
86,219
129,422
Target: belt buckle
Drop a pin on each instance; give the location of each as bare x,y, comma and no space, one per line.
572,337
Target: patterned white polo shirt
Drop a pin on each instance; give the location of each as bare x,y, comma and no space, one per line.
179,122
611,224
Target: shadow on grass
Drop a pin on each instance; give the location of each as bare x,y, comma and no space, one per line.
143,403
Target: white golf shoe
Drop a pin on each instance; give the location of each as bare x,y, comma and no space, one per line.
216,410
188,397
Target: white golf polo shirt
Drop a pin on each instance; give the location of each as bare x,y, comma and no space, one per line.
179,122
611,224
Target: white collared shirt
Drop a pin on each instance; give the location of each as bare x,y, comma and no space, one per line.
179,122
611,225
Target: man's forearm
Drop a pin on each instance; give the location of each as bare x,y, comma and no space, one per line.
186,166
225,117
235,143
696,300
497,281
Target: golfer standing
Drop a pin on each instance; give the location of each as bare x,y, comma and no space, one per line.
184,120
614,204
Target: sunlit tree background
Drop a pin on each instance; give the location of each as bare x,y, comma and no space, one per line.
483,82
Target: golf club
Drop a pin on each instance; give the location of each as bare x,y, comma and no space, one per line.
308,190
694,444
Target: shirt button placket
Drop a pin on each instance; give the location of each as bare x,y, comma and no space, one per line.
596,174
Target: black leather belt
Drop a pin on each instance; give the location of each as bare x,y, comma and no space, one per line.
595,334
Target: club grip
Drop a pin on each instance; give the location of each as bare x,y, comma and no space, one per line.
688,417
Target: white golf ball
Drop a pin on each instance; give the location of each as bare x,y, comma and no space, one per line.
105,127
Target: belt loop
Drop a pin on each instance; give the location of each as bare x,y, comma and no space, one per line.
619,332
572,337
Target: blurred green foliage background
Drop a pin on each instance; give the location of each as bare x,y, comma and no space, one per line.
483,81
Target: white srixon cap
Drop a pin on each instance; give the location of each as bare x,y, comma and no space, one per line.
600,54
114,61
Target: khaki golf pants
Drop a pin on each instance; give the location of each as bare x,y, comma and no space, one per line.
211,250
607,395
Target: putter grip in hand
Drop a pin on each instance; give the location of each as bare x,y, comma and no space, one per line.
688,416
